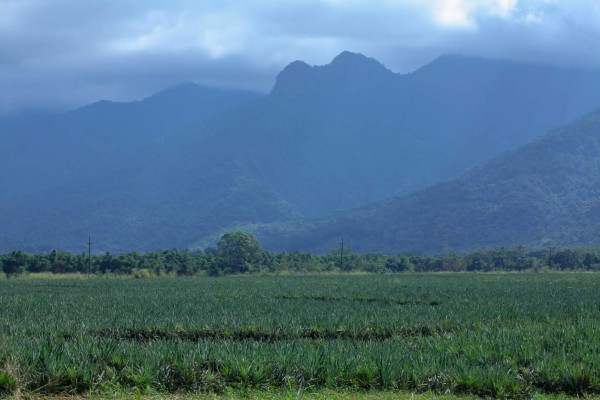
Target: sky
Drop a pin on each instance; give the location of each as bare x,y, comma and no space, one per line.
61,54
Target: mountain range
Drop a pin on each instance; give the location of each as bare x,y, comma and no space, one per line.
178,168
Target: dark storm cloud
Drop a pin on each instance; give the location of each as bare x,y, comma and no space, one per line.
64,53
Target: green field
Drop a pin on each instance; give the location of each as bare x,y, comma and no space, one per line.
498,335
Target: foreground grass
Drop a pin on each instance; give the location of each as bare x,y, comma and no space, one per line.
291,395
370,336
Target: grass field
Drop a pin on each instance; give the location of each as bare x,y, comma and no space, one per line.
495,335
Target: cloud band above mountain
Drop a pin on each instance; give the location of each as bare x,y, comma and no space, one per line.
64,53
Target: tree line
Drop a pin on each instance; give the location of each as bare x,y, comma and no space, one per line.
240,253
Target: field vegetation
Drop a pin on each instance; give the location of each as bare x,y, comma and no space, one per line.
490,335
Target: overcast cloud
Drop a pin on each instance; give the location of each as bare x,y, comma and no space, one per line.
61,54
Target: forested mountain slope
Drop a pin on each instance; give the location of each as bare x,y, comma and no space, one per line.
544,193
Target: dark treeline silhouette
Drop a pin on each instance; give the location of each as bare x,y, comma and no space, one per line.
239,252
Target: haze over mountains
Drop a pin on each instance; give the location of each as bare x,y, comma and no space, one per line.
191,162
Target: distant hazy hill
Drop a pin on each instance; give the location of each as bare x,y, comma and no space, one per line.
545,193
43,152
325,138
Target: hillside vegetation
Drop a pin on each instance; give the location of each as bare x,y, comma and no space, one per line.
544,193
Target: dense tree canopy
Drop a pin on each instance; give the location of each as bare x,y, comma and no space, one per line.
240,252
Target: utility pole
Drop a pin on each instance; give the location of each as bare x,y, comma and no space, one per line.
550,257
342,255
89,255
446,263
